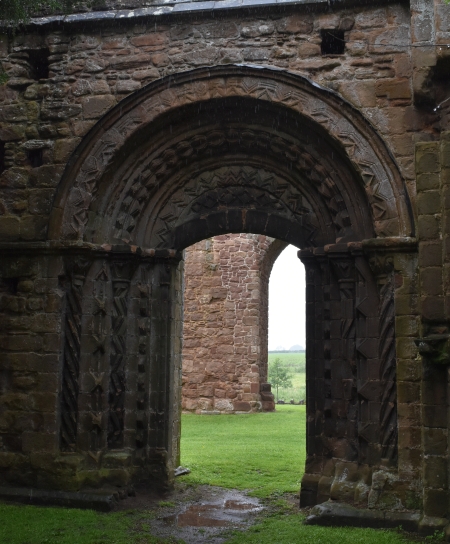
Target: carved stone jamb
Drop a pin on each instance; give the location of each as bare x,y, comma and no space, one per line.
76,268
368,361
315,268
382,265
98,367
164,367
144,288
344,369
122,270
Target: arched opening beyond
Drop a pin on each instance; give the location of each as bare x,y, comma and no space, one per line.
232,149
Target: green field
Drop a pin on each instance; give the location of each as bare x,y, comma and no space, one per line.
295,363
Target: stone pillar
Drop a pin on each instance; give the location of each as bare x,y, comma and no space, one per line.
356,332
99,377
433,175
315,400
226,324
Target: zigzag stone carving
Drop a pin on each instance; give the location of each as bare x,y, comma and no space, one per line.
298,94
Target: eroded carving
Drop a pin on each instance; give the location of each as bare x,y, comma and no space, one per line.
388,410
121,272
73,282
292,91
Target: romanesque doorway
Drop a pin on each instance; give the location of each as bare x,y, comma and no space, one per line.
230,149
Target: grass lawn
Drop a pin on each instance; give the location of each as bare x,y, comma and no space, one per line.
288,529
36,525
261,452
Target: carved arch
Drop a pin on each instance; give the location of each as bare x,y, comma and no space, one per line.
372,190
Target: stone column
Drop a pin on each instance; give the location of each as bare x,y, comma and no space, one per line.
394,265
316,291
164,368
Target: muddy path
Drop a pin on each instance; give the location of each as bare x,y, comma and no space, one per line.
195,514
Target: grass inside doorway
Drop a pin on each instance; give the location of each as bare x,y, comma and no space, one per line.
262,452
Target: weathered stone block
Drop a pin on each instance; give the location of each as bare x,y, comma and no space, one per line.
433,308
242,406
155,38
408,391
9,228
427,157
39,442
434,503
127,86
435,441
33,227
435,472
430,254
394,88
429,203
40,201
429,227
431,281
96,106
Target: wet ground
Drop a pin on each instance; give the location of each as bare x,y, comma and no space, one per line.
200,514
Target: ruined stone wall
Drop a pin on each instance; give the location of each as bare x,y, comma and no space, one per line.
91,69
370,386
226,323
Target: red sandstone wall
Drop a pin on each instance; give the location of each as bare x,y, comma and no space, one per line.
225,322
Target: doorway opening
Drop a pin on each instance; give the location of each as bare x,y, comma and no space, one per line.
225,370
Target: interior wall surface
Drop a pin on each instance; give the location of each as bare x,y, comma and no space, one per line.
152,132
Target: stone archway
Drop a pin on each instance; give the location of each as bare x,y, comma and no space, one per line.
228,149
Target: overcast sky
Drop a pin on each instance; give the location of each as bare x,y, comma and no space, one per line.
287,301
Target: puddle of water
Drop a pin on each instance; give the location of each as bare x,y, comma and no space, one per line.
213,515
207,515
236,505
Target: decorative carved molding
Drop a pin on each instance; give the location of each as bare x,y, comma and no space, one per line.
121,272
145,177
76,270
388,371
358,141
144,323
382,265
435,348
241,188
101,330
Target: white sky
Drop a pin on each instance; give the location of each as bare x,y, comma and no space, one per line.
287,301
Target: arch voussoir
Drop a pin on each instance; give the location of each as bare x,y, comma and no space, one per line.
350,133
